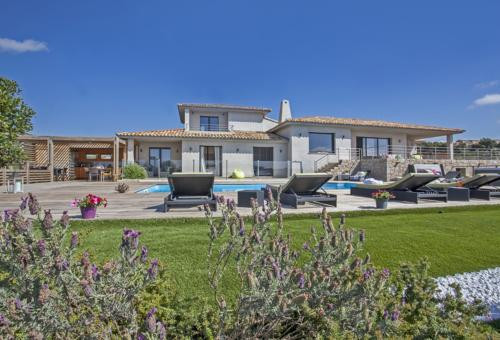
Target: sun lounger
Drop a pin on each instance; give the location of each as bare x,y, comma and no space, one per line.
190,190
302,188
479,186
410,188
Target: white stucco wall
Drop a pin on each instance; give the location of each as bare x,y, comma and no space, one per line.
246,121
398,140
194,118
298,145
235,155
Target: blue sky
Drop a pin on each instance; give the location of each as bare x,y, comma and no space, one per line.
98,67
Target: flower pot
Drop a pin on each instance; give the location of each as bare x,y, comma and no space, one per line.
88,212
381,203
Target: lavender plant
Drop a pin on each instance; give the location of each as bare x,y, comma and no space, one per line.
325,290
46,292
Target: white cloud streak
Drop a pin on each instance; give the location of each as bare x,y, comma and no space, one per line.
489,99
29,45
487,84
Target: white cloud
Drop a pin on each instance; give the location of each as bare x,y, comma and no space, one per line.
29,45
489,99
487,84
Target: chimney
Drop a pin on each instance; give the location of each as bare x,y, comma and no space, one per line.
285,111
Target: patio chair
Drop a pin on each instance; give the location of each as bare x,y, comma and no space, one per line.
95,173
190,190
359,176
479,186
302,188
411,188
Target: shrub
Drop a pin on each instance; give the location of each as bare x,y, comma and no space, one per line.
122,188
327,289
47,293
134,171
189,318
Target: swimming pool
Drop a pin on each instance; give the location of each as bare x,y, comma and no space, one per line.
238,187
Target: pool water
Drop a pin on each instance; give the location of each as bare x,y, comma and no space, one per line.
238,187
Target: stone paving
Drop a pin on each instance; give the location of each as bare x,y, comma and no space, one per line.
57,196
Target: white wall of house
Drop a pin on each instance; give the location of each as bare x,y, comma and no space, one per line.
398,140
235,155
246,121
175,149
298,146
194,118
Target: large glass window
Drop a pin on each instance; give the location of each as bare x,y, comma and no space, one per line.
159,160
209,123
321,142
373,146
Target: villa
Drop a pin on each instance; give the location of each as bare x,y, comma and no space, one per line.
223,138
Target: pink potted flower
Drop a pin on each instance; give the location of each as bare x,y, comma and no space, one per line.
88,205
382,197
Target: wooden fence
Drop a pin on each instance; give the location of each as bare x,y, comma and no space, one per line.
28,175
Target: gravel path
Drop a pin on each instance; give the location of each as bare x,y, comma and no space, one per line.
483,285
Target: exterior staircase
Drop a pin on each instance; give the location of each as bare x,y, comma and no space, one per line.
341,167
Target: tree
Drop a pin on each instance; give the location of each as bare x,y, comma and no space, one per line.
15,120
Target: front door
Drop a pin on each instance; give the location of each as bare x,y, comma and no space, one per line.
159,161
263,161
211,160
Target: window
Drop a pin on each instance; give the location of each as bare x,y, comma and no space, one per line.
321,142
209,123
91,156
106,156
373,146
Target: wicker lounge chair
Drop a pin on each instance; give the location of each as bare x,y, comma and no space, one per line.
190,190
479,186
410,188
302,188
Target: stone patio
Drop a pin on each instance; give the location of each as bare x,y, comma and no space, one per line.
57,196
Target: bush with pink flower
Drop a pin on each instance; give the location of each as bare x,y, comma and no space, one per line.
90,201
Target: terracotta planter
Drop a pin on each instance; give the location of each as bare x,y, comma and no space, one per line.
381,203
88,212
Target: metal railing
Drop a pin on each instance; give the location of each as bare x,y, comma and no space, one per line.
209,127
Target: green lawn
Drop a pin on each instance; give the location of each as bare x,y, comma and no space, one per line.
457,239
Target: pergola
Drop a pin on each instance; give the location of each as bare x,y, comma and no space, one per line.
55,150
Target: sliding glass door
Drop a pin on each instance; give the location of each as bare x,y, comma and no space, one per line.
211,159
159,161
373,146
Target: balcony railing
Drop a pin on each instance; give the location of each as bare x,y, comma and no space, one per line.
210,127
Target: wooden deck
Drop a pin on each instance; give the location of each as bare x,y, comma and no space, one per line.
57,196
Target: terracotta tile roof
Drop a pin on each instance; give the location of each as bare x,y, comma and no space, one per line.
181,106
364,122
181,133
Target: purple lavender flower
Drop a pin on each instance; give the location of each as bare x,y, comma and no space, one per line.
329,306
151,320
131,238
141,336
64,219
162,332
74,239
85,259
41,247
33,205
144,254
395,315
368,274
385,273
24,203
19,304
305,246
261,218
87,290
48,221
65,265
242,227
277,272
153,269
4,321
302,281
386,314
44,294
96,275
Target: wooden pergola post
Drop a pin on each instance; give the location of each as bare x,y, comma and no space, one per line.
50,154
116,158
